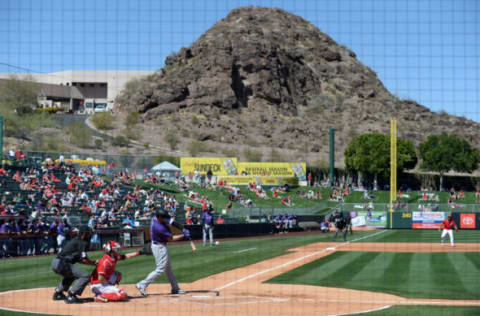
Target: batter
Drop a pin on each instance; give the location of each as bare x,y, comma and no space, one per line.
161,235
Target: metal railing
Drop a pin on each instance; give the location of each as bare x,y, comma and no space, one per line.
270,211
412,207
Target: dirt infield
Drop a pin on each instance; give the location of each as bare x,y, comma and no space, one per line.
242,291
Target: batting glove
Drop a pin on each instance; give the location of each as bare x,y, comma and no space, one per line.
186,233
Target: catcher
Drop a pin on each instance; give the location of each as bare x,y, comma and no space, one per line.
105,279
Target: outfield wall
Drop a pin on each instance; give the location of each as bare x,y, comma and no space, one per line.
431,220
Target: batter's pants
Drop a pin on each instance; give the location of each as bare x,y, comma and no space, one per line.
207,229
61,240
450,233
162,261
70,273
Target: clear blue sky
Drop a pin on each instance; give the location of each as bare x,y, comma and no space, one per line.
426,50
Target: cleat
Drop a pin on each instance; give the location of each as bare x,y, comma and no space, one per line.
100,299
73,299
59,296
178,292
142,291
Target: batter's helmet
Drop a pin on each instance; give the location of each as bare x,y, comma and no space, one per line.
162,213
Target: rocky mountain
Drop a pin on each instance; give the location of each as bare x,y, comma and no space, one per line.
266,78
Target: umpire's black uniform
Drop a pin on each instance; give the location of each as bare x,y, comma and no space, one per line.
340,224
64,264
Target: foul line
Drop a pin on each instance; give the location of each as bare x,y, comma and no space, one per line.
248,277
244,250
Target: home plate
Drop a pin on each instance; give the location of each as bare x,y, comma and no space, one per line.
330,248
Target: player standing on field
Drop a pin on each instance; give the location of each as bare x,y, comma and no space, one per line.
207,226
447,227
161,235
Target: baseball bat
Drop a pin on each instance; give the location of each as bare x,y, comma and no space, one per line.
180,227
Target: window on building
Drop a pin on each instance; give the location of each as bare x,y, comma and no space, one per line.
91,85
74,84
82,85
102,85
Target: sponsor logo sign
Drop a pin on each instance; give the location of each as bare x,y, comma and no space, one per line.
219,166
467,220
427,220
369,219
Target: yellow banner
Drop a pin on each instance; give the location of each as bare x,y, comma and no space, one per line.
269,181
85,162
219,166
273,169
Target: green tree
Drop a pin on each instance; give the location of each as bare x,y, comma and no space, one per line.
370,154
172,140
442,153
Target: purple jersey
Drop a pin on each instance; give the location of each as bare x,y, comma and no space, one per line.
207,218
159,231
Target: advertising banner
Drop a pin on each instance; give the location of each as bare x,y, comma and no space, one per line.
369,219
266,181
219,166
273,169
467,221
427,220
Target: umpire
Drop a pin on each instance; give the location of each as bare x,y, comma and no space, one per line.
64,264
340,225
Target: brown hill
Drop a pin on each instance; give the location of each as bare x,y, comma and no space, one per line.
265,78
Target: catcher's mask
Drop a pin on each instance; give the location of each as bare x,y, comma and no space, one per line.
112,247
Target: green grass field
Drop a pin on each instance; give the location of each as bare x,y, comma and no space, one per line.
426,311
352,269
426,236
415,275
35,272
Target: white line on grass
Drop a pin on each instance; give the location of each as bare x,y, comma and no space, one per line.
245,250
369,311
248,277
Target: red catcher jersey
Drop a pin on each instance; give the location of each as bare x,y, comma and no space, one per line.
449,225
106,267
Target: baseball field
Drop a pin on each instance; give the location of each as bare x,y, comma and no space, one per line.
377,272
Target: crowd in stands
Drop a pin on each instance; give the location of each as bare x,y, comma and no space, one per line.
38,203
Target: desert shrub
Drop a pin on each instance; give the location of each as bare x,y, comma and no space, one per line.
251,142
103,121
194,148
172,140
230,152
146,145
275,156
98,143
49,110
253,155
132,119
132,133
120,141
195,120
79,135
